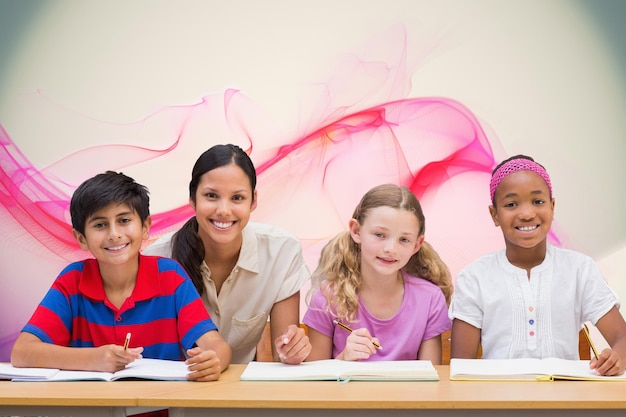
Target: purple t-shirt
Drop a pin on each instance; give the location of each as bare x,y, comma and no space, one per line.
422,316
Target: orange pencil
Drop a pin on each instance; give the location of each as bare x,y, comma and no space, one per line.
345,327
127,341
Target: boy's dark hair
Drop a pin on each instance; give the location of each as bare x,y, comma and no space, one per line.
104,189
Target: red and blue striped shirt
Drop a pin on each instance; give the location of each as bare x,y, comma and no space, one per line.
164,313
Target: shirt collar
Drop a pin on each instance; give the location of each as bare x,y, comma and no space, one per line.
249,254
514,270
146,286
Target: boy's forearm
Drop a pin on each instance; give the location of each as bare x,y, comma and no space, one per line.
29,351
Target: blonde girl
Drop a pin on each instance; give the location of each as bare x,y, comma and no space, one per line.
381,280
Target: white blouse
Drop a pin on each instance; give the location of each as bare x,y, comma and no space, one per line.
538,317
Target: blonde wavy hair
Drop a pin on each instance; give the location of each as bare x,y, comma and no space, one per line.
338,273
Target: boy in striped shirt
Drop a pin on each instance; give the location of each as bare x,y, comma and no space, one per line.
82,322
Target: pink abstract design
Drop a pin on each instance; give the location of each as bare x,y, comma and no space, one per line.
359,131
421,143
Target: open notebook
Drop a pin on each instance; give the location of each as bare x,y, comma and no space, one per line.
338,370
528,369
144,368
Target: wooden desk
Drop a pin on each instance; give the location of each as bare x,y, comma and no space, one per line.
443,398
231,397
80,398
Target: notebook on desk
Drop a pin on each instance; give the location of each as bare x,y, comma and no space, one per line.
527,369
338,370
154,369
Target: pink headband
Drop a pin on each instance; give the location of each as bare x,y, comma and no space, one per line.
516,165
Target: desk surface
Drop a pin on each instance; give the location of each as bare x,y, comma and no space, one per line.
230,392
82,393
444,394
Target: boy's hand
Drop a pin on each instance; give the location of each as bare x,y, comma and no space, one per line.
293,346
609,363
204,365
359,345
112,358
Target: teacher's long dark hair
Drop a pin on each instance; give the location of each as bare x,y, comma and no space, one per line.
187,246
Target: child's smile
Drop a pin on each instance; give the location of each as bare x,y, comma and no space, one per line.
524,210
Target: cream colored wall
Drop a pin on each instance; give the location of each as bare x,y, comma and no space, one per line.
543,77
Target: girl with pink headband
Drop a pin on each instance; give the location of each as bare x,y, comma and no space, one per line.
531,299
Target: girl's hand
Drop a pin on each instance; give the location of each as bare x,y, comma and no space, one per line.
204,365
359,345
293,346
608,364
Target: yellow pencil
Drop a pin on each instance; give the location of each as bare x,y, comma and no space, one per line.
345,327
588,336
127,341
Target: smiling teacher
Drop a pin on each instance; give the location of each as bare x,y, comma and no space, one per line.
244,271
